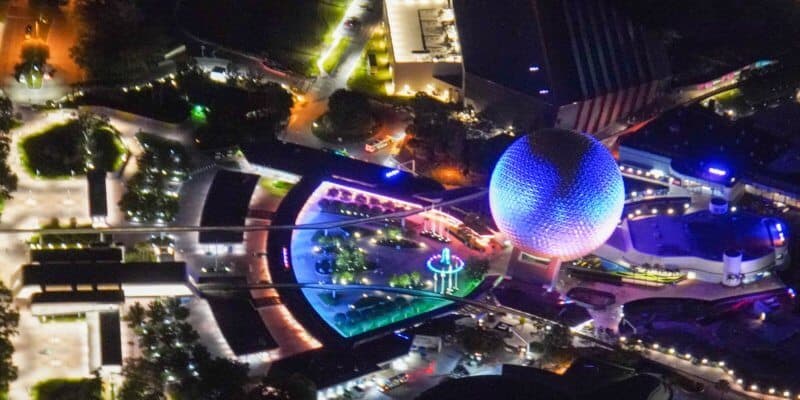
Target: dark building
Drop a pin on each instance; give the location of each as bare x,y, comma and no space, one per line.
581,62
227,203
98,205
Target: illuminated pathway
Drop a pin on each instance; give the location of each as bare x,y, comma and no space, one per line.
708,374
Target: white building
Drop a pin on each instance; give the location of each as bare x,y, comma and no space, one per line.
425,51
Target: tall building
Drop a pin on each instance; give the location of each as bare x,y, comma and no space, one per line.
581,61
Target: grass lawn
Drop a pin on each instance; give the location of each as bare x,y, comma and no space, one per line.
275,187
56,152
67,389
372,80
332,61
292,33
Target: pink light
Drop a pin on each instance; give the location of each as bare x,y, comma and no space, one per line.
286,264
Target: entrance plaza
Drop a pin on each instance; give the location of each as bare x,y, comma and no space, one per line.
390,249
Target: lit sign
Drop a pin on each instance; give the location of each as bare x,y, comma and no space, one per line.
717,171
392,173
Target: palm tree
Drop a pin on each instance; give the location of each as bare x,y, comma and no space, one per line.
135,316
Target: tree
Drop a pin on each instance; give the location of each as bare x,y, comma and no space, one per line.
349,117
476,268
143,381
6,115
416,278
479,341
9,320
173,363
69,389
118,39
279,385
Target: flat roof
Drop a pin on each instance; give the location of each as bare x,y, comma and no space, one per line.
80,296
420,31
96,180
92,254
703,234
227,203
241,324
110,338
327,367
104,273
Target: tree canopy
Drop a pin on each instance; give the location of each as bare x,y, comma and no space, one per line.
349,117
173,363
116,41
9,320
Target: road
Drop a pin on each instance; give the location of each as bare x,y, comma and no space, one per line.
315,103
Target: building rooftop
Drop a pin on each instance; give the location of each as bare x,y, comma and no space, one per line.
104,273
110,338
422,31
560,50
241,325
227,203
704,235
86,255
696,139
327,367
84,296
96,180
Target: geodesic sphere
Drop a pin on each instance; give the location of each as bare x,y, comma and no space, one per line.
556,194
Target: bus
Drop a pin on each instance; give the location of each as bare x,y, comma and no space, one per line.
377,144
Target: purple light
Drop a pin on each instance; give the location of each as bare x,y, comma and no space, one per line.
544,91
717,171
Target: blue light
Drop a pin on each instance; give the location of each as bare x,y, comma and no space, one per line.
717,171
544,91
533,68
392,173
400,335
556,204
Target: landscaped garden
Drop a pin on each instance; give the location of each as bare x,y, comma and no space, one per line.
385,253
61,151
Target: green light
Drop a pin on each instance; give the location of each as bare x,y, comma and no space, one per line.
199,112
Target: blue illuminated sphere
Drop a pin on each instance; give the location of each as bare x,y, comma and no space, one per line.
556,194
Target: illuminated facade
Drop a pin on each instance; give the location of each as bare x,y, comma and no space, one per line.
556,194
